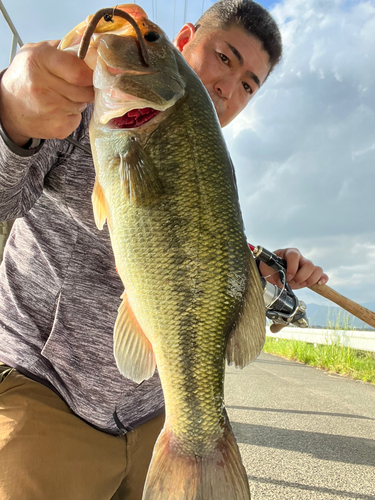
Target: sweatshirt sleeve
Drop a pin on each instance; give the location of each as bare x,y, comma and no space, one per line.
22,173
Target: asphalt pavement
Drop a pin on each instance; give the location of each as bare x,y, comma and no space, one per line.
303,433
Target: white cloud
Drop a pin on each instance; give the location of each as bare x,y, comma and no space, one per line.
304,150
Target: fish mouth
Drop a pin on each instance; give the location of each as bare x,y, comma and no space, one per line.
117,109
134,118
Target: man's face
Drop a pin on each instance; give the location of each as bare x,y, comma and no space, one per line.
231,64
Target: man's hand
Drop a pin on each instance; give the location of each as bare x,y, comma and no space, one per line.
44,92
300,272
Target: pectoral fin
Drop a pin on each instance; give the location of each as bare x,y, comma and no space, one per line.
133,351
248,337
139,175
99,205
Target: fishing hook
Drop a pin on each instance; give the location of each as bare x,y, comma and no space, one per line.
109,17
108,14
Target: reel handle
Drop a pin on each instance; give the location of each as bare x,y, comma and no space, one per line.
275,328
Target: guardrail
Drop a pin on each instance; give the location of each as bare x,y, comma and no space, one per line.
16,39
357,339
5,227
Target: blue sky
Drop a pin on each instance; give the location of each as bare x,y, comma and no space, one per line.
43,19
304,149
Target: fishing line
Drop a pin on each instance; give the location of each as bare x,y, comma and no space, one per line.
185,14
174,17
202,7
268,306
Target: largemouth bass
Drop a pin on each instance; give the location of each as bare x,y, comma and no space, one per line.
166,187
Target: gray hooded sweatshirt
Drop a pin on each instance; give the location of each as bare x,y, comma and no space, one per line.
59,290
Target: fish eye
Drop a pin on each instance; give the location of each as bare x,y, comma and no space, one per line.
152,36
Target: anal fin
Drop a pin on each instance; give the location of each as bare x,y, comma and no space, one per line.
133,351
247,339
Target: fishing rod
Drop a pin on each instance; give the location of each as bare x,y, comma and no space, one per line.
284,308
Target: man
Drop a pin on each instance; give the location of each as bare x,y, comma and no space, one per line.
71,427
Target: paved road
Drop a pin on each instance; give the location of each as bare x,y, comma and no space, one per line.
303,433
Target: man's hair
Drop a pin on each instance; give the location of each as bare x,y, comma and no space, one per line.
254,19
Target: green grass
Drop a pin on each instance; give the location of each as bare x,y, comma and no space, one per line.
358,365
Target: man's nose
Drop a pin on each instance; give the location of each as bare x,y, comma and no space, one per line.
224,88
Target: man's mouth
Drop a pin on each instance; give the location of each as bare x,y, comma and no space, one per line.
134,118
217,102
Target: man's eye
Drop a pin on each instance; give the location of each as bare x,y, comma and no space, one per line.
247,88
224,58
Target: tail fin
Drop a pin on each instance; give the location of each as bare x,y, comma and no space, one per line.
174,475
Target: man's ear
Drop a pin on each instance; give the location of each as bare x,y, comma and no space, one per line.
185,35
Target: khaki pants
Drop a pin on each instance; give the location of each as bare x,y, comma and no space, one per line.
47,453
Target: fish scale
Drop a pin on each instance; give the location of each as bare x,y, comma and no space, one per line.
192,292
186,201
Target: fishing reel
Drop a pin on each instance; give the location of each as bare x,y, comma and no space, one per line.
283,307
